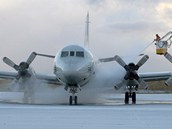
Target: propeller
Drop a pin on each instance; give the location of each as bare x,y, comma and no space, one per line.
168,82
22,67
131,70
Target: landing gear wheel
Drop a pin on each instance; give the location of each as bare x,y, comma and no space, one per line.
126,98
134,98
70,100
76,100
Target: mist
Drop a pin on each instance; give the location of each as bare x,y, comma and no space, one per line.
100,87
93,92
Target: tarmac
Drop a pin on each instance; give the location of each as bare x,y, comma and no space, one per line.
152,111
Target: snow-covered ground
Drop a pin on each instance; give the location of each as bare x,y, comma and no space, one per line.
153,111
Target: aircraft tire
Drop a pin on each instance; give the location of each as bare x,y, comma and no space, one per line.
134,98
76,100
70,100
126,98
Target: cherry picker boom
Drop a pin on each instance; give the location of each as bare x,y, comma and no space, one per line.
163,44
162,49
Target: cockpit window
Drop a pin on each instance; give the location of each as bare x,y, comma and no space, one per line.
80,54
72,53
64,53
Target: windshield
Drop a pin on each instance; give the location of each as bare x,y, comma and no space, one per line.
64,53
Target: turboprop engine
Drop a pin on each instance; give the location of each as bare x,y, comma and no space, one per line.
131,77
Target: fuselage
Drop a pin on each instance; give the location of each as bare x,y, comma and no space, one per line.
74,65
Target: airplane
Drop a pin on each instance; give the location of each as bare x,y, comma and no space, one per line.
74,67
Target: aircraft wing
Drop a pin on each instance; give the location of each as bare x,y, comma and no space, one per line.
107,59
8,75
50,79
155,76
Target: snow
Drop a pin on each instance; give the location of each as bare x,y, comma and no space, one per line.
144,115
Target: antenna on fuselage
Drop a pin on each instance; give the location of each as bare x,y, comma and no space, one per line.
86,40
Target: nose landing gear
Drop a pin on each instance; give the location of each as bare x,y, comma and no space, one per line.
73,99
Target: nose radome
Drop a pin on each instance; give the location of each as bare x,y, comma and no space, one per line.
71,76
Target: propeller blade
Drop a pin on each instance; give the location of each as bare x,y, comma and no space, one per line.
31,58
10,63
142,83
142,60
168,82
120,84
120,61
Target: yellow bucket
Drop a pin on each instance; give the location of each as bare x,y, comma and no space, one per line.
161,47
161,51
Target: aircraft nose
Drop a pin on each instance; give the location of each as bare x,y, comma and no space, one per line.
72,73
71,76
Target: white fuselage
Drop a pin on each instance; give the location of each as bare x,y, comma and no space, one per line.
74,65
